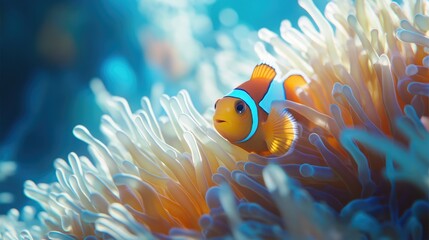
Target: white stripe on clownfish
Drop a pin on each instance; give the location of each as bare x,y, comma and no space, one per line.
276,90
243,95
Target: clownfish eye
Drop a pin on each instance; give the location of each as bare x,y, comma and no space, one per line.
240,107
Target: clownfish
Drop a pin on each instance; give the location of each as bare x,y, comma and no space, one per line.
245,117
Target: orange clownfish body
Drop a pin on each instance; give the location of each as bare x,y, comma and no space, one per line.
245,117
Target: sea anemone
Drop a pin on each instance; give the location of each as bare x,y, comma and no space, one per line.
367,86
7,169
141,178
360,167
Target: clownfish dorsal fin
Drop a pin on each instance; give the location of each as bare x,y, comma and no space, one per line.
263,71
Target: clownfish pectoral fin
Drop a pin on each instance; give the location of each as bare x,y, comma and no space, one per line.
280,131
263,71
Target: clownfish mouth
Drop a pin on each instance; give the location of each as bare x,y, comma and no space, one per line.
220,121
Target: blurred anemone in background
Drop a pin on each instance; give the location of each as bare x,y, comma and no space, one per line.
360,168
185,50
7,169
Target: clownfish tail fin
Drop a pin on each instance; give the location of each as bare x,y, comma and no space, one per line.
263,71
280,131
293,81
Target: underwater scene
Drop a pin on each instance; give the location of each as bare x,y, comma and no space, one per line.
214,119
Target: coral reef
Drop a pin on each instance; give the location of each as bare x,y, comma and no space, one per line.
360,168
